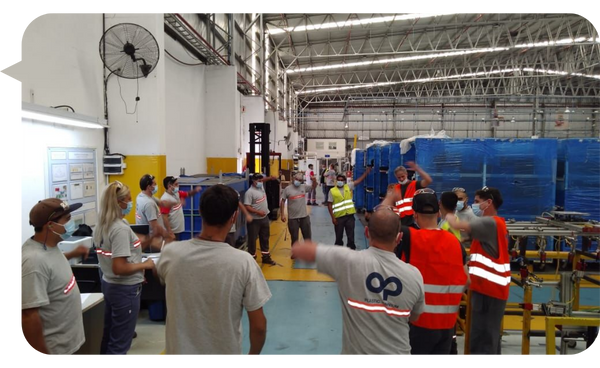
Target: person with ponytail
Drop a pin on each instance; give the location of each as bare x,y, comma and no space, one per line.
120,257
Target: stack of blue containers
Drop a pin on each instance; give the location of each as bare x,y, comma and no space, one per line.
372,180
358,195
524,170
582,176
384,166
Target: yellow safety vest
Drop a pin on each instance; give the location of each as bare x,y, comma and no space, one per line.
342,205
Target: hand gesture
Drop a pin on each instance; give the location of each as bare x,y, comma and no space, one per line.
412,165
82,251
282,217
249,218
334,220
261,213
149,264
369,168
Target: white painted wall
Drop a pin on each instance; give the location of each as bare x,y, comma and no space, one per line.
185,112
138,131
340,145
251,111
222,113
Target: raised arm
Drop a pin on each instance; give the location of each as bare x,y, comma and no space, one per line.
426,178
363,176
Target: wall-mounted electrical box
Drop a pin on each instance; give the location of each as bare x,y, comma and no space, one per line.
114,165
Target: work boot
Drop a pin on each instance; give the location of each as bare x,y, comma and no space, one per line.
267,260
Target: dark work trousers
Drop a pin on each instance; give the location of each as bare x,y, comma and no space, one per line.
345,223
486,319
428,341
299,224
259,228
122,305
326,190
312,196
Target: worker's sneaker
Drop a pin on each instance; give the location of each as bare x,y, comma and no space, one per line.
268,260
314,204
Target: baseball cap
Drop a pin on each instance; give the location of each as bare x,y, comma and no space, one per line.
169,180
50,209
257,176
426,203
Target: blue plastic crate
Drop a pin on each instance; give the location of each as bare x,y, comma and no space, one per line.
358,195
582,176
185,235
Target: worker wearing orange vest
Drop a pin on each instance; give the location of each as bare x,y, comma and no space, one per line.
440,258
489,267
405,189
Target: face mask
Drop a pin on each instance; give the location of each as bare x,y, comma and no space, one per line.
477,210
154,190
175,190
259,185
340,183
403,181
297,183
70,228
128,209
460,205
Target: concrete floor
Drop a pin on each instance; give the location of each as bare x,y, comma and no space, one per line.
304,317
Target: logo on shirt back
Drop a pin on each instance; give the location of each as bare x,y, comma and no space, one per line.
383,284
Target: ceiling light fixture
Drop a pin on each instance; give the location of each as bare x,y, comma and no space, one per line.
50,115
354,22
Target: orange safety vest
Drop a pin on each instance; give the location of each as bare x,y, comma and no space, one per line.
404,206
491,276
437,255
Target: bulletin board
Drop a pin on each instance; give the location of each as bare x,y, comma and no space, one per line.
72,178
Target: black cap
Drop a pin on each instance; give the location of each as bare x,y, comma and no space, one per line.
169,180
257,176
426,203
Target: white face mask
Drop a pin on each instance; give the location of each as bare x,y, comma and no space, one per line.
460,205
403,181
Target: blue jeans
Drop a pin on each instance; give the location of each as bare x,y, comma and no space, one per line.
122,305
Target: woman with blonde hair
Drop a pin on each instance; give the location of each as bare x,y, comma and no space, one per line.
120,257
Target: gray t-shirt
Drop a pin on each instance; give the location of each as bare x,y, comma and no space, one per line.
465,215
121,242
374,314
330,177
257,198
296,200
176,219
49,284
330,196
146,210
484,230
208,285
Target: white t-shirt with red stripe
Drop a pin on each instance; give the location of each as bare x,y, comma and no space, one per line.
378,294
121,242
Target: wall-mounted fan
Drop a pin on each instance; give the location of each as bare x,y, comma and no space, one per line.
129,50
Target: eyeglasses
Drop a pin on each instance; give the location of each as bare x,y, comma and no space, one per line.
424,190
458,189
382,207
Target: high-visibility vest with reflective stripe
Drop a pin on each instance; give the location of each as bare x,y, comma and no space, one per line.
342,204
437,255
403,207
491,276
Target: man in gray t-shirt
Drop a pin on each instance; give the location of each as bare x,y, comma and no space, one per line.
379,293
297,214
209,284
51,314
147,211
256,203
